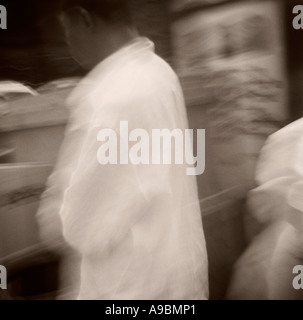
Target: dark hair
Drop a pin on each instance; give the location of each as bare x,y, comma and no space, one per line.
112,11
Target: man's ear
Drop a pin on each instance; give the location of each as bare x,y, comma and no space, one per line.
85,18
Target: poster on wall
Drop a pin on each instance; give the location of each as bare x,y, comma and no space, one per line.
231,63
236,52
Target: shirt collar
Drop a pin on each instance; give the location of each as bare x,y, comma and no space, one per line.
136,46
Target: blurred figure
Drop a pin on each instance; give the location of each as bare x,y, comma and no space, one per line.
265,271
137,230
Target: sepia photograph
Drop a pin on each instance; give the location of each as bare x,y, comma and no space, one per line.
151,150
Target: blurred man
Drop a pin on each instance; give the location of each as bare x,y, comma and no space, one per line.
137,228
265,271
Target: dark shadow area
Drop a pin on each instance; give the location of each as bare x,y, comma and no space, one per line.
294,50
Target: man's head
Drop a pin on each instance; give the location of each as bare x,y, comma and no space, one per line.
95,28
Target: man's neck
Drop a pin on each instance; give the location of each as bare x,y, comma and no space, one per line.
111,42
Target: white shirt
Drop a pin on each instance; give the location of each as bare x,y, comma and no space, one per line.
137,228
265,270
279,176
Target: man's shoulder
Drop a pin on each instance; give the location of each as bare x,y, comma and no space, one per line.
139,80
153,72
